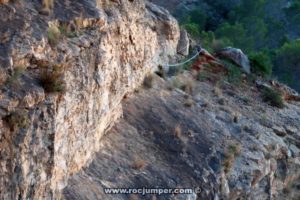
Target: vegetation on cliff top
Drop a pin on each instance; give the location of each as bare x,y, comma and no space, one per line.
265,30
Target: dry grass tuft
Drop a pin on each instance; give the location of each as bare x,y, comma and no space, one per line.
47,7
232,151
189,102
273,97
52,79
54,35
188,87
138,164
217,90
177,131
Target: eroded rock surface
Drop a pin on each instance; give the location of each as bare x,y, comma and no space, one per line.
184,43
227,144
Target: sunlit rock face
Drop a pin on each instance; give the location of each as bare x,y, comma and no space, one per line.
118,43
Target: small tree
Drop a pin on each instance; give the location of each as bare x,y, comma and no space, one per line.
273,97
237,35
289,54
192,29
287,63
261,63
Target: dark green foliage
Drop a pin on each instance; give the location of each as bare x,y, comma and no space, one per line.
287,77
256,29
261,64
235,75
17,120
193,29
196,16
289,54
207,39
237,35
209,42
230,154
248,8
293,11
194,22
287,63
273,97
276,33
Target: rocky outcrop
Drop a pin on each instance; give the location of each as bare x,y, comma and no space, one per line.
237,57
104,50
184,43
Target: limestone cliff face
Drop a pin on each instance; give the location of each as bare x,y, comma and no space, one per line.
57,134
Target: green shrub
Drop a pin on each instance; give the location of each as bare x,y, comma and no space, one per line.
197,16
273,97
288,78
288,55
261,64
237,35
194,21
234,75
287,63
192,29
209,42
206,39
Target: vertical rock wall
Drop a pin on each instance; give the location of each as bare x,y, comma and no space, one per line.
120,43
